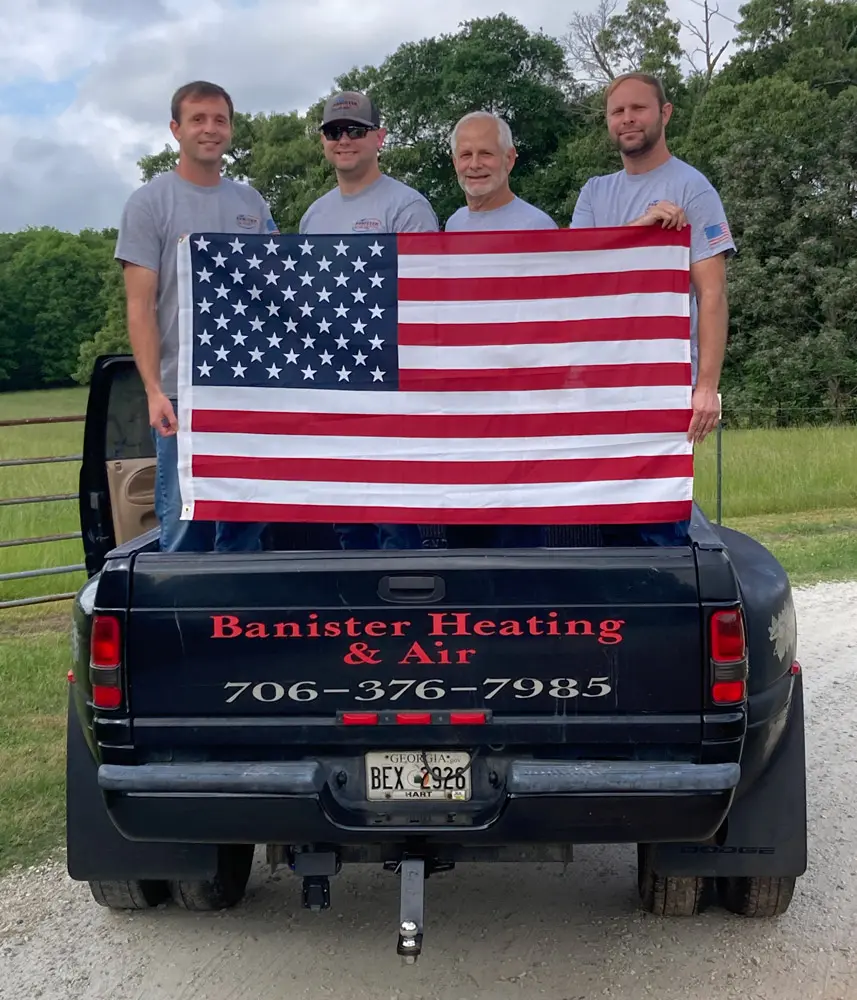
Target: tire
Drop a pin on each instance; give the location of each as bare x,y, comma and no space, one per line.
666,895
228,886
133,895
758,897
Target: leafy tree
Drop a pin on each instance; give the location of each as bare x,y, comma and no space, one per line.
112,335
51,286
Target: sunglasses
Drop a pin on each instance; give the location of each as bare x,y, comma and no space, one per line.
335,132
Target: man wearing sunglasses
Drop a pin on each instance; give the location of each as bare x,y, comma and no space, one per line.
365,200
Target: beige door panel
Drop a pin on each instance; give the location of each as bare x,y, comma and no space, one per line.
131,483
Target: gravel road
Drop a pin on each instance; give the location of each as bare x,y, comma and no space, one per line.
493,931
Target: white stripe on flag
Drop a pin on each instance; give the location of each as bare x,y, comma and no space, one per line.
272,400
442,496
514,265
545,310
489,449
496,356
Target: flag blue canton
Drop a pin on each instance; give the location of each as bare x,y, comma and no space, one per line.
315,312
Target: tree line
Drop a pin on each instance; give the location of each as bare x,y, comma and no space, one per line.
772,122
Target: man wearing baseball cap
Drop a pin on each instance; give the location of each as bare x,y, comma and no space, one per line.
365,200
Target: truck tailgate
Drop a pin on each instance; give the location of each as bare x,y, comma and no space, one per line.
551,633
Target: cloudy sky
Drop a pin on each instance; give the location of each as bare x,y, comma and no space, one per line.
85,84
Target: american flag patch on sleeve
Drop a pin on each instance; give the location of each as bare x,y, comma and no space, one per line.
718,234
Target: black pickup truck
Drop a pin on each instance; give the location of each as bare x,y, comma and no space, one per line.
418,709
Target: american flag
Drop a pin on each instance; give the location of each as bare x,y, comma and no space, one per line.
482,378
718,234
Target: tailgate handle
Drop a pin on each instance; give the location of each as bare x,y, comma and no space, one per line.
405,589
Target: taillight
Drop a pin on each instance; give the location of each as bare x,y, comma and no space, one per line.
728,644
106,645
728,647
105,658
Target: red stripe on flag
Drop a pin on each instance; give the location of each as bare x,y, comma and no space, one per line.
542,286
563,377
354,470
541,241
569,331
631,513
412,425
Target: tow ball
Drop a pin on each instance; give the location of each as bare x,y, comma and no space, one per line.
413,872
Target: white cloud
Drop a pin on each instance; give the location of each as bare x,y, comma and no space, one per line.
129,56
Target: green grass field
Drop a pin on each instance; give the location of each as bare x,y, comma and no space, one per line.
794,490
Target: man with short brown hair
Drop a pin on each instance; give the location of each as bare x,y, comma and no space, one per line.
194,197
656,188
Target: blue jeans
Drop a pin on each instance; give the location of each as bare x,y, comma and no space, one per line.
379,536
193,536
657,533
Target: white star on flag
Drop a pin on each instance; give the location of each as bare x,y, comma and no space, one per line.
239,370
359,326
222,292
205,306
255,354
202,243
204,275
254,261
359,358
257,324
291,358
237,276
326,357
274,340
308,372
255,293
289,294
376,312
358,264
324,295
237,245
273,309
376,249
219,260
222,354
308,341
205,337
343,374
289,264
307,309
377,375
341,279
204,369
359,295
324,264
376,343
274,371
306,279
324,326
271,278
238,339
341,342
341,310
239,307
341,248
291,326
376,280
271,246
222,322
305,247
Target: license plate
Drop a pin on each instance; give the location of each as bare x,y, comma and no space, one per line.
436,775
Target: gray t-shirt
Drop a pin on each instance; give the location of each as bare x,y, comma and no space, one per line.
617,199
385,206
517,214
157,215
